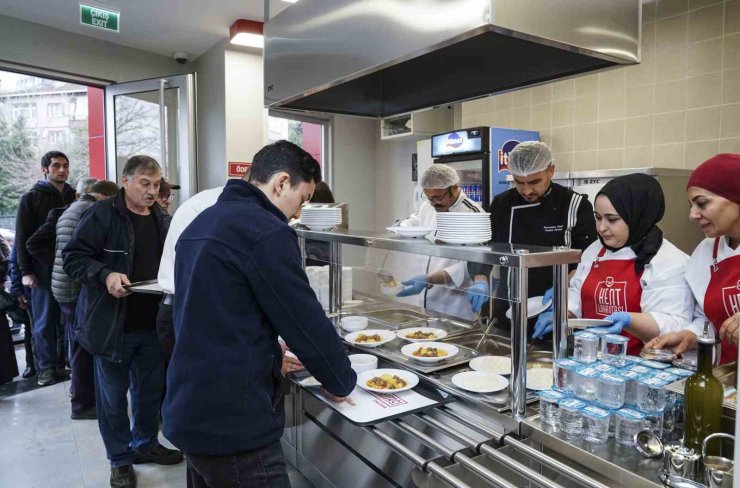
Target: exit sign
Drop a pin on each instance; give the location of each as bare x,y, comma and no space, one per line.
100,18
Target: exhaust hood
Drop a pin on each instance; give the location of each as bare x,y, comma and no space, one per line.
384,57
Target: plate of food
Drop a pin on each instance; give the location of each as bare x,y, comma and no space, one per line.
492,364
370,337
421,334
387,380
480,382
586,323
429,352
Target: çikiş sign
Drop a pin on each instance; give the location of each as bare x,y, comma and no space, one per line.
100,18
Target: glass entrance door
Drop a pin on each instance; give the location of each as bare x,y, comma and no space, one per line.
155,118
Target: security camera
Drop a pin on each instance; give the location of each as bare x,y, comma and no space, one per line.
181,58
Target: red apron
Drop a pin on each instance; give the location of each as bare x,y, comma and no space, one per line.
722,298
613,286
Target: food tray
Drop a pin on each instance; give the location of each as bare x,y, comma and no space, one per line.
397,317
452,327
148,286
392,352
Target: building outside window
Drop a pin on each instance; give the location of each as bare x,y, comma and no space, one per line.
56,137
24,110
55,110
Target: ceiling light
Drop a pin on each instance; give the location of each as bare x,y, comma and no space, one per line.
247,33
290,1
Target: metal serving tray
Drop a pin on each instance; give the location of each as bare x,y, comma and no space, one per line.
392,352
397,317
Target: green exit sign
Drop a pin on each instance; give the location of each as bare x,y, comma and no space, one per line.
99,17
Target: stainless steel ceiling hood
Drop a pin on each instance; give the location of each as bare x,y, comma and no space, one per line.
385,57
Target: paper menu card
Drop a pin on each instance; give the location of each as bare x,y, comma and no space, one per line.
364,406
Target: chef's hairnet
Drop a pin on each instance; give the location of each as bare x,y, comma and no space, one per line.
529,157
439,177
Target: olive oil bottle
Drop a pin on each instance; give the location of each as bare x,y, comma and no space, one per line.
703,395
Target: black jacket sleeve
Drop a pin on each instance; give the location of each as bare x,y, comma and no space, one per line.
4,260
584,232
40,245
24,226
80,254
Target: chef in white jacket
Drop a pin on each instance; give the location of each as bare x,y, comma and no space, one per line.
444,285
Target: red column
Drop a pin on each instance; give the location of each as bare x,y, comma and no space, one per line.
312,140
96,130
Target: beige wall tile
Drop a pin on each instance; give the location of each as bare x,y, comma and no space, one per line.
585,160
702,124
585,109
638,131
638,157
586,85
647,43
521,118
485,105
546,136
732,17
563,161
705,57
731,51
612,104
562,90
562,139
501,102
671,64
648,12
730,121
562,113
667,8
670,96
640,100
521,98
611,159
467,110
706,23
611,134
672,31
698,152
585,137
612,79
542,94
730,145
542,116
669,155
695,4
643,73
669,127
731,86
704,90
501,118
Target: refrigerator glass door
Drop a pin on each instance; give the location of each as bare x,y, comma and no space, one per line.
471,178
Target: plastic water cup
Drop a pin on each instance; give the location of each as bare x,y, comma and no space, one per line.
680,372
603,367
654,364
639,368
571,419
667,377
611,389
630,360
587,383
565,372
651,394
612,423
585,347
595,424
654,422
630,386
549,410
629,422
614,350
670,414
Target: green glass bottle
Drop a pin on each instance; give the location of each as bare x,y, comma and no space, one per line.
703,395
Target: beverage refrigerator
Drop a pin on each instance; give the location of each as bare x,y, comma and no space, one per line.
467,151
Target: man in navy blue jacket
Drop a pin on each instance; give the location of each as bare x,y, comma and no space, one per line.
240,283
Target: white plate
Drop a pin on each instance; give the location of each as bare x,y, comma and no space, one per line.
310,382
450,240
491,364
408,351
586,323
440,334
480,382
534,307
463,215
411,231
539,378
458,235
410,378
387,335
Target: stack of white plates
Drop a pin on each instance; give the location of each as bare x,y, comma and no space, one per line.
463,227
321,218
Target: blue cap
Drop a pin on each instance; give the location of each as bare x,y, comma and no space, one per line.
584,334
639,368
652,381
588,372
552,395
567,363
630,414
633,359
628,374
655,364
683,373
612,378
664,375
604,368
571,404
616,339
595,412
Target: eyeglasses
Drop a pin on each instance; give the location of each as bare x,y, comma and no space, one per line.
438,198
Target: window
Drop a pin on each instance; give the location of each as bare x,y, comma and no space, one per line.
55,110
56,136
24,110
308,133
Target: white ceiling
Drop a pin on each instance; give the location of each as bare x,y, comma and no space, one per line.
158,26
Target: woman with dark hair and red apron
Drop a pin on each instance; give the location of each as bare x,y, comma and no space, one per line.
631,276
713,272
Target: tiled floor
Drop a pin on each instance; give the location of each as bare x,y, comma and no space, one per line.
40,446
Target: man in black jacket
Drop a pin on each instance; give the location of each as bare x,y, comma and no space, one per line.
119,241
52,192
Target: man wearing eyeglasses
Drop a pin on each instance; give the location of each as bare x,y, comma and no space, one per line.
444,284
165,196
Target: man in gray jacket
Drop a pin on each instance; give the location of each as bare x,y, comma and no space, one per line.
66,291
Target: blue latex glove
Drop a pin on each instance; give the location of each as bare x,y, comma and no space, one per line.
414,286
543,325
478,295
547,297
621,320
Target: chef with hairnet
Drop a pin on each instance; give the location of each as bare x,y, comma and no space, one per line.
444,285
536,212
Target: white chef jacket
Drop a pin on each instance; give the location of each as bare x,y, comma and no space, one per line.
665,294
447,299
698,276
184,215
